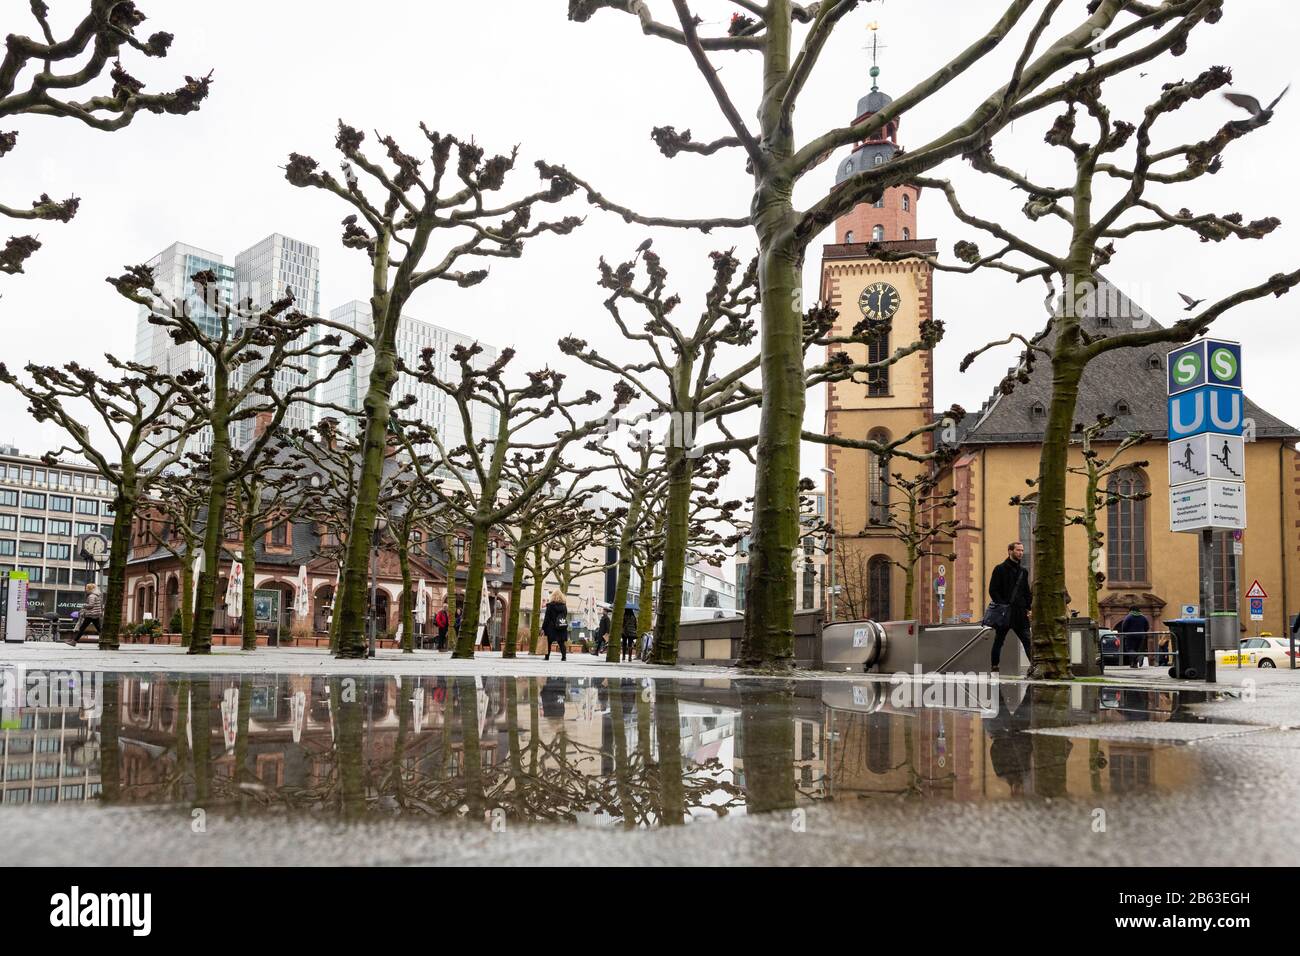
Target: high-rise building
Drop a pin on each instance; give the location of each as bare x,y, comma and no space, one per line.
348,388
173,271
265,272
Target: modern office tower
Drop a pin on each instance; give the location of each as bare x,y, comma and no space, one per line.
348,389
46,513
173,271
266,272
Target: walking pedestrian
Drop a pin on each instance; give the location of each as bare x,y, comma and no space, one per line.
1134,629
602,630
91,614
1011,600
442,621
629,634
555,624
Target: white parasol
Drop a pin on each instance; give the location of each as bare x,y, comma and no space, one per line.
235,591
302,602
197,573
419,602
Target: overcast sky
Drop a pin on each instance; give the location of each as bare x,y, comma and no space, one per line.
587,95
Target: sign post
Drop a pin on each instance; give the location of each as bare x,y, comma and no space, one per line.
1207,466
16,609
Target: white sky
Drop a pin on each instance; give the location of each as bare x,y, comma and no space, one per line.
586,95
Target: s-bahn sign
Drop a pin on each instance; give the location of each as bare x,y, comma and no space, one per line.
1207,453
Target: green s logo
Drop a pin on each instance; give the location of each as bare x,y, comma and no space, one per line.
1187,368
1223,364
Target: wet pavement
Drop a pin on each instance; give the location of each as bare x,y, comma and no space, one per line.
298,768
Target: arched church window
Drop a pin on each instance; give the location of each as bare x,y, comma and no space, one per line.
877,233
907,202
907,233
1126,528
879,574
848,236
878,351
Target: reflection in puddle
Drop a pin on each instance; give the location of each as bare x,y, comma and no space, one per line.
627,752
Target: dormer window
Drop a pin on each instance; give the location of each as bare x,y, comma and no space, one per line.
848,167
880,159
879,203
1153,361
1037,410
1122,407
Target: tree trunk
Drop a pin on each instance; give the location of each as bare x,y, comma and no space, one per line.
187,597
668,725
452,565
677,532
1050,652
408,595
248,619
467,695
119,552
767,735
646,598
201,732
623,580
516,592
348,747
356,566
535,623
473,589
219,479
770,587
110,747
622,772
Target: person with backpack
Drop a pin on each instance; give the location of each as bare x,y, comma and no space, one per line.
629,634
442,621
555,624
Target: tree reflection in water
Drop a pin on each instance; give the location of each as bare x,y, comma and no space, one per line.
630,753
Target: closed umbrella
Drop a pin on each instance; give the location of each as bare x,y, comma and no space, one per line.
302,606
419,602
197,573
235,591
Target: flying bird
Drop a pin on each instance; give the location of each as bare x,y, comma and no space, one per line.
1191,303
1259,115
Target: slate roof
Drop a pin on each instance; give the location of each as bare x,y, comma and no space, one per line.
1134,377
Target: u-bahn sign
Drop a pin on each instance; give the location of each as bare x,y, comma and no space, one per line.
1207,452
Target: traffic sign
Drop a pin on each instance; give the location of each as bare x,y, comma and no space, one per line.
943,571
1256,609
1256,591
1205,362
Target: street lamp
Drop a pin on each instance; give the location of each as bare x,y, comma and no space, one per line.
830,551
381,525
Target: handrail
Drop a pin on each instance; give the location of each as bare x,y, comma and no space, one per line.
962,650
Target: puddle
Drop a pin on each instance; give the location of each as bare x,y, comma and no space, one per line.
579,751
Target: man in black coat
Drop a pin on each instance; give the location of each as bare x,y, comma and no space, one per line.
1009,585
1135,628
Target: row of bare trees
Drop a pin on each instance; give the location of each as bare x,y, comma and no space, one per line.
436,216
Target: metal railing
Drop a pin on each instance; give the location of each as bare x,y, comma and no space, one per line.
1157,648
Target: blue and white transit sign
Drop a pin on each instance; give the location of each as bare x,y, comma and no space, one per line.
1210,408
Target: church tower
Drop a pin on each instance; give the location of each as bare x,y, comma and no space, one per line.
856,282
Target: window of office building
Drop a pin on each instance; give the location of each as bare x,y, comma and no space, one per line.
87,507
34,525
60,503
85,528
35,574
56,575
8,522
58,552
59,529
31,549
32,499
7,547
8,498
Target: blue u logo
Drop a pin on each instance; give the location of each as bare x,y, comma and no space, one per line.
1205,409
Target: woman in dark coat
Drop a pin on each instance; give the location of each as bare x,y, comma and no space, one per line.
629,634
555,624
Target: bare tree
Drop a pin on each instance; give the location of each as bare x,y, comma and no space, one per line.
395,233
482,498
178,499
248,345
148,416
915,518
1113,37
39,74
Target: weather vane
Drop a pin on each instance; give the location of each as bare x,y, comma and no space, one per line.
876,47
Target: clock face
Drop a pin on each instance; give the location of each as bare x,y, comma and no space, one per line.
880,300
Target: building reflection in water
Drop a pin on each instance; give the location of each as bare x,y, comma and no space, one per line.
626,752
